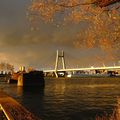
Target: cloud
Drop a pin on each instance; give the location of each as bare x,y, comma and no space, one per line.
21,46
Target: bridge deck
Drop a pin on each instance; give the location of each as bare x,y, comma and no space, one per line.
89,68
13,110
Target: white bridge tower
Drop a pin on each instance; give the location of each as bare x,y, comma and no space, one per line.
59,57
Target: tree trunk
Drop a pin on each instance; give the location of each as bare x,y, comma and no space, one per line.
104,3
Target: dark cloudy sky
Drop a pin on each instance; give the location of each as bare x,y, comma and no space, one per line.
21,46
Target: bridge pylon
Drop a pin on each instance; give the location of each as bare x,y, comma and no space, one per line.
59,55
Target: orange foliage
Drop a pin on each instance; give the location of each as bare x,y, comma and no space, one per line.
104,29
105,45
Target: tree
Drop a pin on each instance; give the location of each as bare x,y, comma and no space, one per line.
46,9
103,17
104,3
6,67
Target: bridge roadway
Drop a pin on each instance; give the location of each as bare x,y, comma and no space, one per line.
83,69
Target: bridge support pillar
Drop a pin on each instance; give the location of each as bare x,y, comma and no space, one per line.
56,75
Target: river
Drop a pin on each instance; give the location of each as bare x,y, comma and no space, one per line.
69,99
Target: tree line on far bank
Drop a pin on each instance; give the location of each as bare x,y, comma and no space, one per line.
7,67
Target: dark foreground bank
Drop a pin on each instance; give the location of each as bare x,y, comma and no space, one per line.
12,110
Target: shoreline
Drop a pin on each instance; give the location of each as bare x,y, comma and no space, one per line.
14,110
93,77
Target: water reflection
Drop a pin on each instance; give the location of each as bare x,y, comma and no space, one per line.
19,91
31,98
76,99
115,115
72,99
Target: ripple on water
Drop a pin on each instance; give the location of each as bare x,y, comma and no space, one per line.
72,99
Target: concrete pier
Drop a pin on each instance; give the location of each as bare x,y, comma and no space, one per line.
33,78
13,110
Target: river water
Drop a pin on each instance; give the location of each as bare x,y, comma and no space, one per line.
69,99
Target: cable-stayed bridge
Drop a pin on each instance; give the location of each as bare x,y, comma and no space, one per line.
89,68
60,56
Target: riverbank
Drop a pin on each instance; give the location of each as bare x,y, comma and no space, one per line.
2,115
13,110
